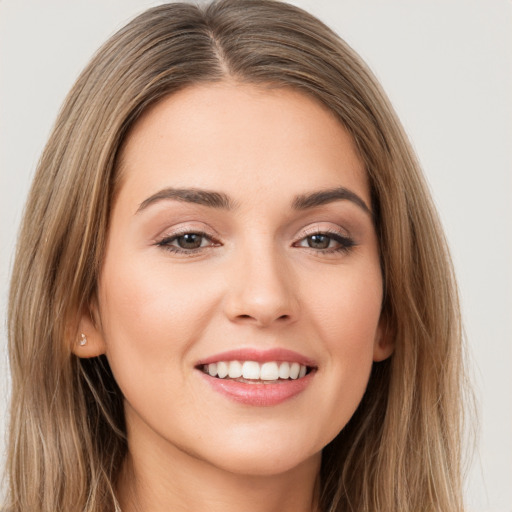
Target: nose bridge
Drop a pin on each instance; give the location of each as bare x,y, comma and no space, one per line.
261,289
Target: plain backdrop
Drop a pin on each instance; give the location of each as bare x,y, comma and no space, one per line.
447,67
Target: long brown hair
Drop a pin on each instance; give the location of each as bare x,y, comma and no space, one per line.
401,449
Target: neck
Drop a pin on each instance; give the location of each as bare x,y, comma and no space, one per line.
156,480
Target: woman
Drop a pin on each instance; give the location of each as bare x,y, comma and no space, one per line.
231,287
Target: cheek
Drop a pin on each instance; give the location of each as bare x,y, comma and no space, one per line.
153,314
151,303
347,309
347,321
150,318
138,309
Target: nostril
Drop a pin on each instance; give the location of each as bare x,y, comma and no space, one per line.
250,317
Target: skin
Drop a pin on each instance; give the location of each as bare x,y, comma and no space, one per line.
255,282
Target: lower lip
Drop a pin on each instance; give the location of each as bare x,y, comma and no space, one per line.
259,394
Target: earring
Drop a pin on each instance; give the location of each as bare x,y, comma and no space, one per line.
83,340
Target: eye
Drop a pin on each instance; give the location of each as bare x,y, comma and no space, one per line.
186,242
326,242
319,241
190,241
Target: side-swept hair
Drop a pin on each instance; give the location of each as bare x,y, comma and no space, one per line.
401,449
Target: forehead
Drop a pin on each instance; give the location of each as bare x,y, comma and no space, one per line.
237,137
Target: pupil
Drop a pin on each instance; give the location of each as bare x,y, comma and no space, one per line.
190,241
319,241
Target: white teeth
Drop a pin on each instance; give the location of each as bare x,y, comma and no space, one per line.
252,370
212,369
234,370
269,371
294,370
284,371
222,369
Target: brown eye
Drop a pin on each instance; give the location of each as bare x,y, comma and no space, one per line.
318,241
326,243
187,243
190,241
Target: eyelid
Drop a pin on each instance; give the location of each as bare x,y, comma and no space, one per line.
166,238
318,228
184,228
339,235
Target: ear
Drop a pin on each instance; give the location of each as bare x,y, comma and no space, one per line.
384,341
89,340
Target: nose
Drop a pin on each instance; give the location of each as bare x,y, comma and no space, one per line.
262,291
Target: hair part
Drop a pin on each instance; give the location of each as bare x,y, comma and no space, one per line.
401,449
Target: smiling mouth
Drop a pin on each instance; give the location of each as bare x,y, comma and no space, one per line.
252,372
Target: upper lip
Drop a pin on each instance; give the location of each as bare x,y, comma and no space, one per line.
260,356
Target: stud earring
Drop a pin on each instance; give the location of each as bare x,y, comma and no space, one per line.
83,340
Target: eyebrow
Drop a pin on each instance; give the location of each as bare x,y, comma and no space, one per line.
190,195
322,197
222,201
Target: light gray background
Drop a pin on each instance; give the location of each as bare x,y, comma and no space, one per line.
447,66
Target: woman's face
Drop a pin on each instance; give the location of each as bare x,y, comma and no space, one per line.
242,232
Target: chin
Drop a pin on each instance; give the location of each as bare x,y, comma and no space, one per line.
253,464
263,455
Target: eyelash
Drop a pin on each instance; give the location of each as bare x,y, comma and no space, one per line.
345,244
165,243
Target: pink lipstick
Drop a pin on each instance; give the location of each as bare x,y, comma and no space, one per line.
258,378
